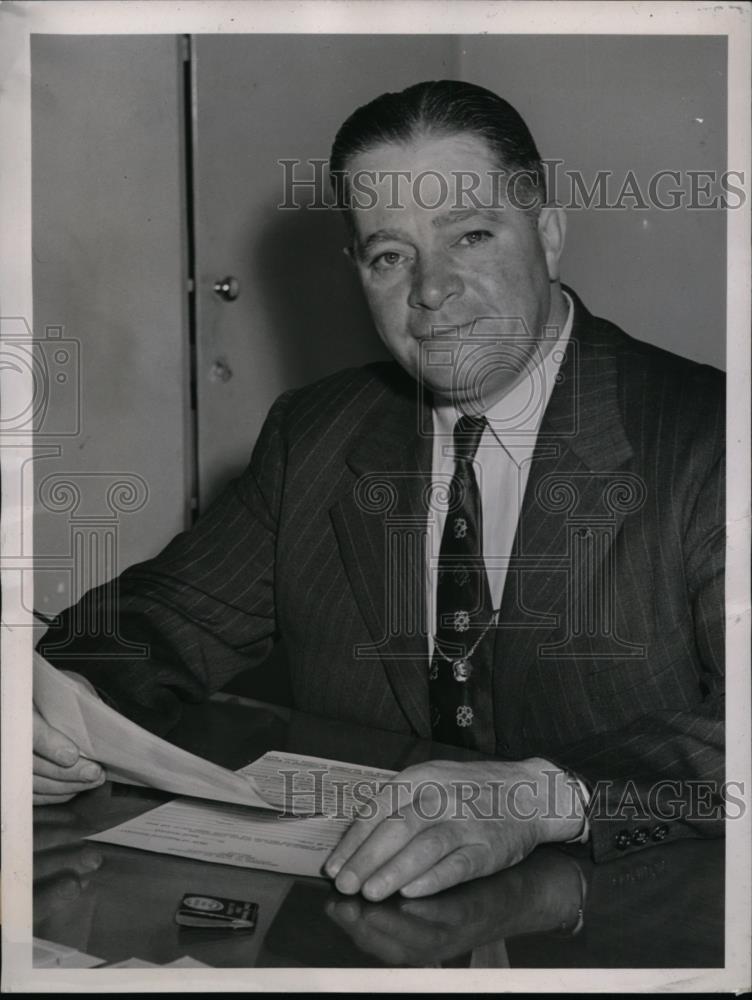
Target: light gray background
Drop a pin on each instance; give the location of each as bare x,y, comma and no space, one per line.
110,188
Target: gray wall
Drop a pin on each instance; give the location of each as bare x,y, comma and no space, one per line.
620,103
110,240
600,103
113,451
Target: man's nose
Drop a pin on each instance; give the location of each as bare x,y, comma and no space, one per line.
435,282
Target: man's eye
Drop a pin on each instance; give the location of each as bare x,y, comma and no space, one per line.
386,260
476,236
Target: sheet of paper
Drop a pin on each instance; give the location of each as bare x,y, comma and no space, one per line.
133,963
230,836
129,753
186,962
303,784
50,955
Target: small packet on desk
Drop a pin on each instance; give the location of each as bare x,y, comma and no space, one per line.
216,911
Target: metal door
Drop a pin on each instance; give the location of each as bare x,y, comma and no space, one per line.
299,314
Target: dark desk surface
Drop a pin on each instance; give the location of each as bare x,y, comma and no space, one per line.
659,908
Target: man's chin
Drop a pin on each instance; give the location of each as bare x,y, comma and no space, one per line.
458,396
472,399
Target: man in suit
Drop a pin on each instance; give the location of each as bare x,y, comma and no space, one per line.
510,539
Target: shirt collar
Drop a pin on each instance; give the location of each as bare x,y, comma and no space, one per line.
520,411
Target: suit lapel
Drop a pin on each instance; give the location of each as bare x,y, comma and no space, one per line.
569,518
380,524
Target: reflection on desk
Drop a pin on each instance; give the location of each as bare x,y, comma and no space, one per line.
663,907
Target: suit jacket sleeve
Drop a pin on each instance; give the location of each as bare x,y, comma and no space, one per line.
179,626
662,776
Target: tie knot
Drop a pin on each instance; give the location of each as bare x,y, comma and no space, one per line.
467,434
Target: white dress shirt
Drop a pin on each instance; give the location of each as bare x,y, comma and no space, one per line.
502,466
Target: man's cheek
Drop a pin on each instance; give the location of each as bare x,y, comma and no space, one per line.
380,308
392,327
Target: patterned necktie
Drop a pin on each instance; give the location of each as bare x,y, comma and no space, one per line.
460,672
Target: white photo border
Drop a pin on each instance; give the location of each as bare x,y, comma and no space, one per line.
18,20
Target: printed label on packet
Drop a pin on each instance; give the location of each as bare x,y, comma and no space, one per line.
215,911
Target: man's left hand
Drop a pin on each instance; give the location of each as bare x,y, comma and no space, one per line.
441,823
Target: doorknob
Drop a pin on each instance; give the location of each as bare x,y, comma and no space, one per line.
227,288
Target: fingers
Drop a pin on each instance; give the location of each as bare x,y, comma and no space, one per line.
54,785
84,771
42,799
469,861
52,791
395,846
60,772
388,803
385,841
427,843
392,857
357,833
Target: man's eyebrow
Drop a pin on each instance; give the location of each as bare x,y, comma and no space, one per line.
447,219
382,236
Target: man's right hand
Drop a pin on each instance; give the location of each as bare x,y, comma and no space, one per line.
60,772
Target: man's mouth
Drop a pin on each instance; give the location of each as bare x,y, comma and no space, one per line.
443,330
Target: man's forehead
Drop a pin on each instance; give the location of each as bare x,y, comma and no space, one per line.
444,216
449,177
464,214
395,218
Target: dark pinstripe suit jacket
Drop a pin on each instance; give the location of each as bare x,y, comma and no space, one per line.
609,651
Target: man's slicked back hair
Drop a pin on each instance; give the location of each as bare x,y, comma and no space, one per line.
440,108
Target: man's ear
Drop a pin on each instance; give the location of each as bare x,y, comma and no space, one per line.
349,252
552,228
